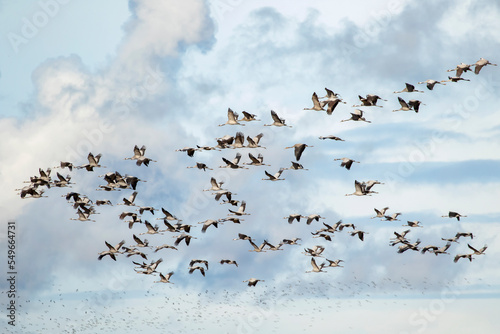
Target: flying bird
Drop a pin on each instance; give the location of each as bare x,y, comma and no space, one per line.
380,213
168,216
316,268
248,117
296,166
460,68
317,105
234,163
200,165
256,161
111,250
346,162
404,106
254,142
415,104
298,149
315,251
334,263
194,261
464,234
360,189
357,115
443,249
393,217
480,64
232,118
189,151
369,101
129,201
452,214
332,137
140,243
229,262
330,95
93,162
207,223
186,237
242,236
431,83
456,79
359,233
312,217
241,209
478,252
277,121
463,256
66,164
151,229
216,186
409,88
276,176
163,247
253,281
258,249
165,279
138,152
292,217
415,223
332,104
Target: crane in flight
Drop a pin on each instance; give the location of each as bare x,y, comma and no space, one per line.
277,121
232,118
330,95
380,213
431,83
453,214
248,117
332,137
346,162
296,166
409,88
298,149
476,251
241,209
93,162
315,267
478,65
356,115
276,176
253,281
460,68
165,279
369,101
317,105
112,250
226,261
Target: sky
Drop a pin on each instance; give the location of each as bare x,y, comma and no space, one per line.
79,77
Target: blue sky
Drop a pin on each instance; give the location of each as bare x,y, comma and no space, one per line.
103,77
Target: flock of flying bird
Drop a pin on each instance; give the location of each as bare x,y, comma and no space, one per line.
115,181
